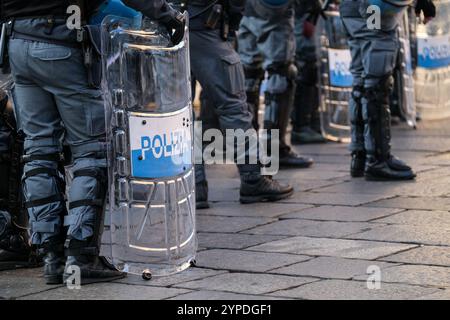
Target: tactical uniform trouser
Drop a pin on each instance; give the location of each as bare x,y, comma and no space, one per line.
53,100
374,53
266,42
217,67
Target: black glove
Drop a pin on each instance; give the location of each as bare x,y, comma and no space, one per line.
427,7
175,25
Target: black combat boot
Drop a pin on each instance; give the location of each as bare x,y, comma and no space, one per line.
15,252
358,164
306,135
381,165
262,189
306,101
201,195
52,252
92,267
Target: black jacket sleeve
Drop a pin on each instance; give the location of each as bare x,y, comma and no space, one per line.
154,9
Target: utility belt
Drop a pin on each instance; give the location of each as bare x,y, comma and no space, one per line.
88,39
209,14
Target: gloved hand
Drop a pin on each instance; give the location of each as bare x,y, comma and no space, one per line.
308,28
427,7
175,25
314,10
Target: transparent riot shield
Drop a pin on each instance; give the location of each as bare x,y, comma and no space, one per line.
403,97
335,78
432,74
149,116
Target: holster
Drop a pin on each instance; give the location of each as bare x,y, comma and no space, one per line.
90,38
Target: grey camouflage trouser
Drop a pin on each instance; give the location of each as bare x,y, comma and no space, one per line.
53,102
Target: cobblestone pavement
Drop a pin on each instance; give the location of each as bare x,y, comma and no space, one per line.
318,244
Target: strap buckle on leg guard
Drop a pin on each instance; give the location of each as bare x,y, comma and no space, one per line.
55,157
74,248
52,246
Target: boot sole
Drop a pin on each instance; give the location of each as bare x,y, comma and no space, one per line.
358,174
202,205
264,198
85,280
53,280
297,166
370,177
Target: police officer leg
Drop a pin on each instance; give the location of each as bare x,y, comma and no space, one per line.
209,120
355,26
85,220
251,59
357,133
380,56
273,31
357,149
43,183
225,87
305,127
279,100
87,191
305,119
253,77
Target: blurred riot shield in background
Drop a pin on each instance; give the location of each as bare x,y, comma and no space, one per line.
432,75
150,148
335,79
403,102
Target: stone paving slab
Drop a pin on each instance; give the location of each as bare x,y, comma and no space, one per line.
109,291
419,203
246,283
341,213
423,234
419,218
238,260
298,227
439,295
331,268
14,284
308,174
267,210
203,295
302,185
431,255
187,275
357,249
421,143
409,188
413,274
354,290
233,240
436,174
334,198
228,224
